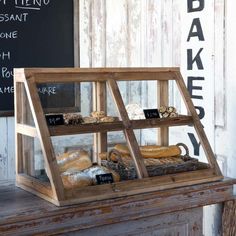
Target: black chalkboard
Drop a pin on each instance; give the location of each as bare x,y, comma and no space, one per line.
104,178
54,119
36,33
151,113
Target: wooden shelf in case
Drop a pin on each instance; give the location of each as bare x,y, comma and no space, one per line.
118,126
28,79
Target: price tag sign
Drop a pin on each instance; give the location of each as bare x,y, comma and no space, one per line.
151,113
104,179
54,119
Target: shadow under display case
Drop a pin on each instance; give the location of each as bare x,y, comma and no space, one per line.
77,176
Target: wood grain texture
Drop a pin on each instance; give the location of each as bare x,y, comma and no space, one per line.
128,130
44,137
99,104
219,67
22,213
163,100
228,218
197,124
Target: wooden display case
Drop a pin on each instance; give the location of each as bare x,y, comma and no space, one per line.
26,81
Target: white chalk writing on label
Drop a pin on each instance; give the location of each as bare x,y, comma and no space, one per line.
7,89
47,90
5,56
14,17
28,4
6,73
9,35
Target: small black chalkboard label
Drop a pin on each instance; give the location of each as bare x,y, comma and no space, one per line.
104,178
151,113
54,119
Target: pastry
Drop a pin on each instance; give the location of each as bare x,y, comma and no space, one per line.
72,118
162,109
107,119
98,114
89,120
171,109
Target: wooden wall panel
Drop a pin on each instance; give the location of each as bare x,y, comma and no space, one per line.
10,148
219,54
154,33
3,149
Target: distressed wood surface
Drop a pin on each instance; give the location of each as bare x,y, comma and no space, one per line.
22,213
228,218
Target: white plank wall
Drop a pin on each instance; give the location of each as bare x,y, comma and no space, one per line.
124,33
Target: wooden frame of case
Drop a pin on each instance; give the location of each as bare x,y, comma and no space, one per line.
27,79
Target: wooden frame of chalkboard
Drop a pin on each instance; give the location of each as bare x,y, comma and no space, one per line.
22,46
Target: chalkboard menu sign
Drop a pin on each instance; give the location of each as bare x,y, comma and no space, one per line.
36,33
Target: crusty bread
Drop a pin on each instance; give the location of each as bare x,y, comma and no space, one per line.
78,160
72,179
151,151
160,152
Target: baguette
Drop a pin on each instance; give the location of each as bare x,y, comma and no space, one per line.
151,151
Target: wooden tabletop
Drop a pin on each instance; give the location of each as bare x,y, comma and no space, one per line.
22,213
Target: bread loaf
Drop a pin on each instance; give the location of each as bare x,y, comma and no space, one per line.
160,152
78,160
123,149
152,151
72,179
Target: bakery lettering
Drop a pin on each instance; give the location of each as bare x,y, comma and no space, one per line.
194,59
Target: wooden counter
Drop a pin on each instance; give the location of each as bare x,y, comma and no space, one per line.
22,213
